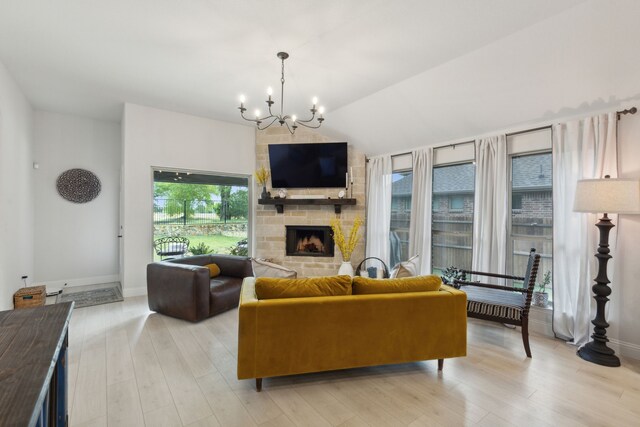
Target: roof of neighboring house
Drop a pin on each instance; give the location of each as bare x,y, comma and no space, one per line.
532,172
454,179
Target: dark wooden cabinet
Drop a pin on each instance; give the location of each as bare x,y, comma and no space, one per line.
33,366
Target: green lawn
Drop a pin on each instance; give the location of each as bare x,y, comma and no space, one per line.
219,244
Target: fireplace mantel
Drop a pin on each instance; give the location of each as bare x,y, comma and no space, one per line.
280,202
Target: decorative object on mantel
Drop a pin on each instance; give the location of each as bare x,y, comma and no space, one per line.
262,175
291,122
346,245
78,185
372,272
608,195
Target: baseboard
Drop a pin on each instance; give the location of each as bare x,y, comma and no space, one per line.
625,349
83,281
134,292
540,322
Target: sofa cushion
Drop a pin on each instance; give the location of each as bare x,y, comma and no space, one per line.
364,285
214,270
273,288
408,268
224,293
262,268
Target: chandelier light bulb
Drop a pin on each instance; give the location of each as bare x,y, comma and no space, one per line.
269,91
257,113
294,118
242,99
314,101
321,110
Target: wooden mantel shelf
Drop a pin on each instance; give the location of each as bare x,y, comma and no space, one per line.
279,203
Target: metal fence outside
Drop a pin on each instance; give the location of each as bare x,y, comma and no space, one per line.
192,212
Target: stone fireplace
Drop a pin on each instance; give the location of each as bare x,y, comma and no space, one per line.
303,240
271,226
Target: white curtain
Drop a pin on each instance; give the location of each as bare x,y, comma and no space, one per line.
582,149
490,206
379,172
420,225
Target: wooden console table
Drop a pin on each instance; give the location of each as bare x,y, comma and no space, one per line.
33,366
279,203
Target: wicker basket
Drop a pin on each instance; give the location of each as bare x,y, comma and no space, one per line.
33,296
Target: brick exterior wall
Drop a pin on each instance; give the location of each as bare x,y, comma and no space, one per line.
270,226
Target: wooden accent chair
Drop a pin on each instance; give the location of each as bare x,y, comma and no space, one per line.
503,304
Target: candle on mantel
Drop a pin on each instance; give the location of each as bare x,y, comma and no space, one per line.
346,181
351,175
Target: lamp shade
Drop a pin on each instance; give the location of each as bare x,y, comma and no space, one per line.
608,195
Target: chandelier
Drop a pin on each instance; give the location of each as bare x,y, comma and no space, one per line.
291,122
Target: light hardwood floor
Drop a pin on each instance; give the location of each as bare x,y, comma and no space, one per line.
129,366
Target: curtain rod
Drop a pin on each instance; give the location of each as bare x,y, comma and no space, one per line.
631,110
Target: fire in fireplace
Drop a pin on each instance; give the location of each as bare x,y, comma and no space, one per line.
304,240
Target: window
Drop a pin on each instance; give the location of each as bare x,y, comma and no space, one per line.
452,216
516,201
456,203
400,215
531,223
211,211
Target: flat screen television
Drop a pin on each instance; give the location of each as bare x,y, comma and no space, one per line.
322,165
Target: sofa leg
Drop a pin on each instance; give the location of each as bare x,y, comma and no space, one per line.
440,364
259,384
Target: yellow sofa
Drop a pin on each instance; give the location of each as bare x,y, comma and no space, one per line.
301,335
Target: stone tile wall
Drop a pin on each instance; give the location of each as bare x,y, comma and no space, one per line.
270,226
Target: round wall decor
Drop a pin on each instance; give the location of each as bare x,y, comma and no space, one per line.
78,185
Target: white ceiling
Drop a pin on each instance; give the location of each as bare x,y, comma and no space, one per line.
88,57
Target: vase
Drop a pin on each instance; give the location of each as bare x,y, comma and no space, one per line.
346,269
264,194
541,299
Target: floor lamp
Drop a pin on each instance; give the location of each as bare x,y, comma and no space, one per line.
608,195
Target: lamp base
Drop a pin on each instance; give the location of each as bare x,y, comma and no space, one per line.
598,354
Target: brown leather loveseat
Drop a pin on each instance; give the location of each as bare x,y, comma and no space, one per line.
183,288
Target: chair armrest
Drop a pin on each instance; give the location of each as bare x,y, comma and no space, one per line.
487,285
179,290
499,276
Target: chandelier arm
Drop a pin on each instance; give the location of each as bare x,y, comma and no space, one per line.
307,121
263,128
308,126
291,131
259,119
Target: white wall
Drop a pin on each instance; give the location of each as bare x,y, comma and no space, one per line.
16,189
159,138
625,274
76,243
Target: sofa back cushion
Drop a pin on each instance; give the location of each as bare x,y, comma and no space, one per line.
363,285
230,265
274,288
